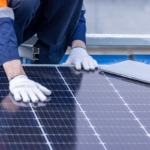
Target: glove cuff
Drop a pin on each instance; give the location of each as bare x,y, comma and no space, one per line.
18,76
78,50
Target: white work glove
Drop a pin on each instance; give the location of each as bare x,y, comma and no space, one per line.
11,99
24,89
80,58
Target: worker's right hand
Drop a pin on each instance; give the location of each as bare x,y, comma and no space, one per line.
25,89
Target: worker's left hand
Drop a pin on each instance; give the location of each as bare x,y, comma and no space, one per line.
80,58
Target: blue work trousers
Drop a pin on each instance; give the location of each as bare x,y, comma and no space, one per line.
54,21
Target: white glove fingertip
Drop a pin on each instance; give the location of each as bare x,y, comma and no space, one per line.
25,97
40,95
95,63
87,69
92,66
34,100
44,90
47,92
17,96
43,99
78,68
78,65
26,100
85,65
32,96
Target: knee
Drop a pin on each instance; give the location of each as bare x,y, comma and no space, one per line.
26,8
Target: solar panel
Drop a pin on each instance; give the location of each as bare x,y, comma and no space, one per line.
87,110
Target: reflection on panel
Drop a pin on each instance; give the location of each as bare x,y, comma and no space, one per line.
112,120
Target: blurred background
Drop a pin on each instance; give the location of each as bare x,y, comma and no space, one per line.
118,16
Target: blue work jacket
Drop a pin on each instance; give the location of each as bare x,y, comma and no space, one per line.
21,19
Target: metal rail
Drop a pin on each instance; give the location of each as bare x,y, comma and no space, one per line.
27,51
110,40
117,40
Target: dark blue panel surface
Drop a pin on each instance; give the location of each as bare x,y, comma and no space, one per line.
87,111
61,118
103,99
18,127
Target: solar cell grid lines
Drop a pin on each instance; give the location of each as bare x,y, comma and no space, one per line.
87,110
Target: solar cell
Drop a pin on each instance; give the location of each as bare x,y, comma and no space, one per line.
87,110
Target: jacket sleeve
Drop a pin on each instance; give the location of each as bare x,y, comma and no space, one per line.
8,40
80,30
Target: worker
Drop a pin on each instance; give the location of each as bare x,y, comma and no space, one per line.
58,24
